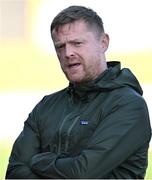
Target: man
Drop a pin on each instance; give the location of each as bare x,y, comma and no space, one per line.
97,127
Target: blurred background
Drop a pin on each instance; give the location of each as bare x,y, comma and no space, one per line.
29,68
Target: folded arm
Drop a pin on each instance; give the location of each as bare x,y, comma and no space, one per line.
115,139
24,148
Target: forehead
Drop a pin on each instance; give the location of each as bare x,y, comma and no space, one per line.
75,28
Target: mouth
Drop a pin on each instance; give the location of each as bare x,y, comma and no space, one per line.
74,65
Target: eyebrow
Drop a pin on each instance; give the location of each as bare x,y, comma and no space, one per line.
57,44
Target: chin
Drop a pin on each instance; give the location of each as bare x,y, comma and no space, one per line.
78,82
74,81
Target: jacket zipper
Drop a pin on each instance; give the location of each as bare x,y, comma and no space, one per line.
68,133
60,130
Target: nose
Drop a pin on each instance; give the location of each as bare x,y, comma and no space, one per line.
69,51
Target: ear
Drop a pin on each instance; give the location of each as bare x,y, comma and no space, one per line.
105,42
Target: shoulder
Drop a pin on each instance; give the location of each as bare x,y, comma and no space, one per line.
125,105
126,99
54,96
44,105
127,94
48,100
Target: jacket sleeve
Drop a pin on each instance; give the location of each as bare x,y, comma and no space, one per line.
115,139
26,145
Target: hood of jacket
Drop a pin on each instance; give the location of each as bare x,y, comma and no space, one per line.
112,78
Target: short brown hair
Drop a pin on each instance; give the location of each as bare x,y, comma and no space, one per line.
74,13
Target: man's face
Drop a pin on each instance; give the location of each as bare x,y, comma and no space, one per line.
80,52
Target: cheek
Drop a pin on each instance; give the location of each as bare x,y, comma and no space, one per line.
60,58
59,54
61,63
92,60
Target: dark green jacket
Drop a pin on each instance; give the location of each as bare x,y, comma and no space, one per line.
98,130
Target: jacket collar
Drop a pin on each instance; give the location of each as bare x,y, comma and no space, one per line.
88,91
